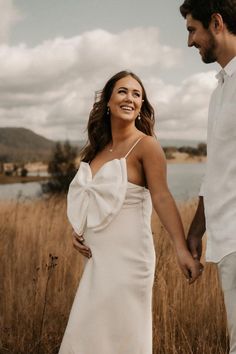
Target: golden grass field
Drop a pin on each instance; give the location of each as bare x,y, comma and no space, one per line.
37,289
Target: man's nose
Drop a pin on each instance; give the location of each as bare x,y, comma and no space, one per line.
190,41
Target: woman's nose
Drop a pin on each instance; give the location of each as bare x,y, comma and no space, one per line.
129,97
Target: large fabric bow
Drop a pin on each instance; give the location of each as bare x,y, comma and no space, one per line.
94,201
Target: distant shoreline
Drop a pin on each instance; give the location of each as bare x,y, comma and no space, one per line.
182,157
177,158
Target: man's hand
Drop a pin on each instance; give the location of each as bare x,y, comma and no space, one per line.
190,267
194,243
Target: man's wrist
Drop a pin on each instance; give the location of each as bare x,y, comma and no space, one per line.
196,236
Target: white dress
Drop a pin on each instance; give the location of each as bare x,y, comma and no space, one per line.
112,309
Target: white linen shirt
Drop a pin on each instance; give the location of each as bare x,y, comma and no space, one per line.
219,186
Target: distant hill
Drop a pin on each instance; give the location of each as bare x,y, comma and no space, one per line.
23,145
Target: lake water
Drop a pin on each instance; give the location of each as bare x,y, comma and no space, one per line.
184,182
20,191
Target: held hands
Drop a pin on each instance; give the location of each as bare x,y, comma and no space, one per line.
194,243
191,268
78,243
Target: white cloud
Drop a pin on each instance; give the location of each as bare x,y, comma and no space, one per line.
182,110
50,88
9,16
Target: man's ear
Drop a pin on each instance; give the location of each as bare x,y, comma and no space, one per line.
217,23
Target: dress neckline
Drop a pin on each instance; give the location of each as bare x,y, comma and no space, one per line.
114,159
107,162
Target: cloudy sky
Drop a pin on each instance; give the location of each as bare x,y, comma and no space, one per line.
54,55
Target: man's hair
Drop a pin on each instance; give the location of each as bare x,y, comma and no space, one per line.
202,11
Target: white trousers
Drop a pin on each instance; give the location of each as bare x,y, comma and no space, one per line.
227,275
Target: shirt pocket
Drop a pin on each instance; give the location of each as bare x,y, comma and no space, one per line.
226,122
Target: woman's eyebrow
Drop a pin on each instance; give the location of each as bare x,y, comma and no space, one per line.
125,88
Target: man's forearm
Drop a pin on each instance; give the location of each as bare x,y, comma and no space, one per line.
198,225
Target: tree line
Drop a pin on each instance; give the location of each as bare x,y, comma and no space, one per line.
200,150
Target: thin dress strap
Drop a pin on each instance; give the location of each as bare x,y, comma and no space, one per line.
132,147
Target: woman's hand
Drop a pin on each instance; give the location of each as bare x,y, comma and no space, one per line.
191,267
78,243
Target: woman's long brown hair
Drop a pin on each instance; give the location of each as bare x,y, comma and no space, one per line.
99,125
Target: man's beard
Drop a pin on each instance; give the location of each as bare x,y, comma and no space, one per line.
209,56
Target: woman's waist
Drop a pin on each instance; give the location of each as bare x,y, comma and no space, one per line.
137,198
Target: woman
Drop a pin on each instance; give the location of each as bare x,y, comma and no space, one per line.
123,169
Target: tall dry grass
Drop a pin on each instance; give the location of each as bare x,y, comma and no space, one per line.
40,272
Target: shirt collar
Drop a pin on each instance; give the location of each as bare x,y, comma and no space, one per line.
229,70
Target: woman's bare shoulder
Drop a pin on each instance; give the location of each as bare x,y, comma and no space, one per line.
150,144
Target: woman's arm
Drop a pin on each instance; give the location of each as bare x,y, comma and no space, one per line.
154,165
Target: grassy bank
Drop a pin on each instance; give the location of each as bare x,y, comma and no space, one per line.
41,270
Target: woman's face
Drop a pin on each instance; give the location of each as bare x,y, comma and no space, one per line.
126,99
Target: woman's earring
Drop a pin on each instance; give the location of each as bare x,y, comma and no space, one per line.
139,117
108,110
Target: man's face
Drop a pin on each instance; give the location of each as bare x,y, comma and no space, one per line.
201,38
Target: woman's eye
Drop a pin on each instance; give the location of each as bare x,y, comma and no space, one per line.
135,94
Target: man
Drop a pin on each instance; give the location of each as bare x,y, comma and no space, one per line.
212,29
